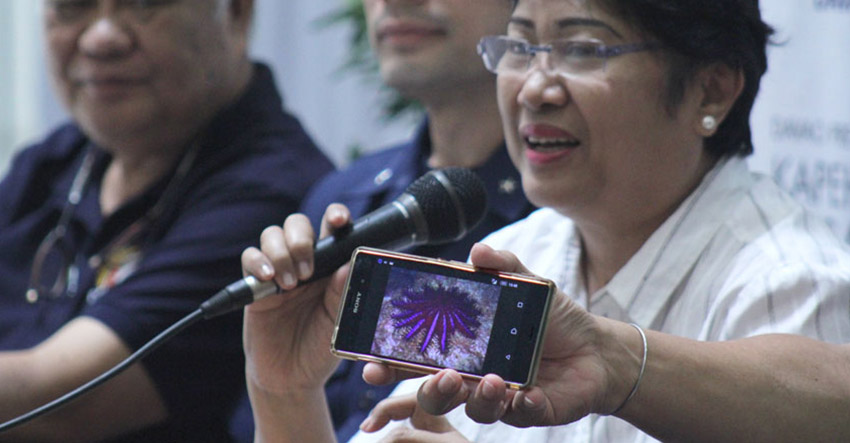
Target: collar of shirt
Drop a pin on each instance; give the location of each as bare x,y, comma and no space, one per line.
252,109
501,179
669,254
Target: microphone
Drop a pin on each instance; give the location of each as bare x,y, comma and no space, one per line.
440,207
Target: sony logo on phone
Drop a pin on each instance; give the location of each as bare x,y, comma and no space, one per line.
357,301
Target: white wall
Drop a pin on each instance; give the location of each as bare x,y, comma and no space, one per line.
28,106
801,120
339,110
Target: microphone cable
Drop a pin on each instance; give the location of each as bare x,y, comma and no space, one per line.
229,299
141,353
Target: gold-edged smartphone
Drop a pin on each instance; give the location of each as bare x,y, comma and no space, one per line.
423,314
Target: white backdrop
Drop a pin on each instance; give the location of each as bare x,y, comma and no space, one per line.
801,121
339,110
802,116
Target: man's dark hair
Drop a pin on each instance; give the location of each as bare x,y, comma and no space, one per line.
696,33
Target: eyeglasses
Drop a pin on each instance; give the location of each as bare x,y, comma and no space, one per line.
507,55
78,11
53,268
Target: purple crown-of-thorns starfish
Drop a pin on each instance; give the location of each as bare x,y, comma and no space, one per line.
436,310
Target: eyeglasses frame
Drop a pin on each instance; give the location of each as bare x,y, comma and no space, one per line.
603,51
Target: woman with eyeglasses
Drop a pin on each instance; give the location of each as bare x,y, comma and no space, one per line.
629,122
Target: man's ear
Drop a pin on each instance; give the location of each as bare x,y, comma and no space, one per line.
720,86
241,15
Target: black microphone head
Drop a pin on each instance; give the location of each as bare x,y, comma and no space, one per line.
451,200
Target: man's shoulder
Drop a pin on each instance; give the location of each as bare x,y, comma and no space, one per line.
369,166
357,184
270,155
57,144
258,137
47,157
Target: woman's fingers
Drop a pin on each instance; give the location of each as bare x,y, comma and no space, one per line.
484,256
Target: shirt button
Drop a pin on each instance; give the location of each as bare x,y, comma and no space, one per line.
383,176
507,186
367,400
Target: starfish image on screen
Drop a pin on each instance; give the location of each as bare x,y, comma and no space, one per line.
437,313
435,320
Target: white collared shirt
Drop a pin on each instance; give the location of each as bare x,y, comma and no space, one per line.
738,258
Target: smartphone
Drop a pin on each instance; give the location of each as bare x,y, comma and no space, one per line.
424,314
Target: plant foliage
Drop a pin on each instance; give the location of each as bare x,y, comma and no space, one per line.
360,59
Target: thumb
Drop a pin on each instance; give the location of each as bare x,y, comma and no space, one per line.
427,422
484,256
530,408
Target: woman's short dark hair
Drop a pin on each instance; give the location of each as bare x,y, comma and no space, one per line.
696,33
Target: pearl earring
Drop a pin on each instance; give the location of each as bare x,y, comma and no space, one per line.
709,122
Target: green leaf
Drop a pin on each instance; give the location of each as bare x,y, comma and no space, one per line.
360,59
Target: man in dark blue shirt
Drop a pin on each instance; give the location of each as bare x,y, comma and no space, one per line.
426,51
121,223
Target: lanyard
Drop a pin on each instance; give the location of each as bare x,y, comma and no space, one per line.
127,238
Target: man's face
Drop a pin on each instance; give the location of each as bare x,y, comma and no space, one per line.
429,45
156,69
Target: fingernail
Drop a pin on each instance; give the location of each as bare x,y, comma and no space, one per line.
488,390
335,214
529,403
266,271
289,280
303,269
445,385
366,423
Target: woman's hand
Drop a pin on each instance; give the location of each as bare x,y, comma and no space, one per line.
287,336
426,427
581,369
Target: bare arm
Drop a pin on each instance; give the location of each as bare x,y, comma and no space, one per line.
287,336
77,353
287,361
765,388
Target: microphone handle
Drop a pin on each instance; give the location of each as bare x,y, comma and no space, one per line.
388,227
394,226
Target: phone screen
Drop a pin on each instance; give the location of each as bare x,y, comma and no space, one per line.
427,314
